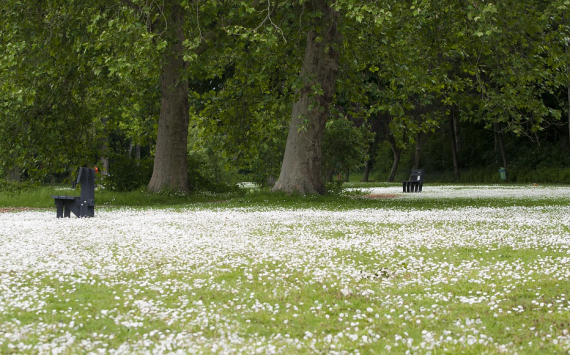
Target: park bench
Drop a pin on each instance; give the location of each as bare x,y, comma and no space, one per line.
415,182
83,205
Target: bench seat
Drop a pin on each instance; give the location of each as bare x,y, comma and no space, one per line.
81,206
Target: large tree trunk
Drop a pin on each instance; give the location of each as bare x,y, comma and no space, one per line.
170,170
301,168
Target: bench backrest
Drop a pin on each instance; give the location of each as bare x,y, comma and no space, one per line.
417,175
86,178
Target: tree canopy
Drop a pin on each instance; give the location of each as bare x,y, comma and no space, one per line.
259,81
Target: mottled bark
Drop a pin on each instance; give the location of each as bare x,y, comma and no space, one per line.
170,170
301,168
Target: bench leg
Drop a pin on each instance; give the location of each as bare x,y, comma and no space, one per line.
83,212
68,206
59,207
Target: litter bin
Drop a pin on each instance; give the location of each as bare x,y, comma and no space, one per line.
503,173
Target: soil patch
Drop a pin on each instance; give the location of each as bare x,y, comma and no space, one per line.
14,209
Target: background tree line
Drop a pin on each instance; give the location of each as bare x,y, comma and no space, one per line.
187,94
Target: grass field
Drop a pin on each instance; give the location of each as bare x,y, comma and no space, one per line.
455,269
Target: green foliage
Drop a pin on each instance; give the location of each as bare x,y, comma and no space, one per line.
67,68
263,168
345,146
71,73
249,101
540,175
8,186
127,174
384,158
207,172
208,167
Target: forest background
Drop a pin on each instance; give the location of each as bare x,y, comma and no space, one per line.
182,95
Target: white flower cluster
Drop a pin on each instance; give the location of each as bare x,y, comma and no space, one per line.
478,191
261,280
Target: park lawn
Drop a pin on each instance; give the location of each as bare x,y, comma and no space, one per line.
456,269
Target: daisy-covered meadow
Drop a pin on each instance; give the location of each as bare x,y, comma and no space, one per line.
470,269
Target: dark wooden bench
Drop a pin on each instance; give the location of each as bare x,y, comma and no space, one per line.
415,182
83,205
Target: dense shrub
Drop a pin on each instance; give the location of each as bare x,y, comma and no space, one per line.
14,186
541,175
207,170
345,146
127,174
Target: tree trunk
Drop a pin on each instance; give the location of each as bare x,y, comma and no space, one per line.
397,154
453,138
301,168
368,164
456,132
366,176
170,170
418,152
502,148
567,69
395,163
104,148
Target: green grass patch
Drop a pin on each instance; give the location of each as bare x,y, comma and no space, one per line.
438,282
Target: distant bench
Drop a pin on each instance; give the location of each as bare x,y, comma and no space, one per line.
83,205
415,182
